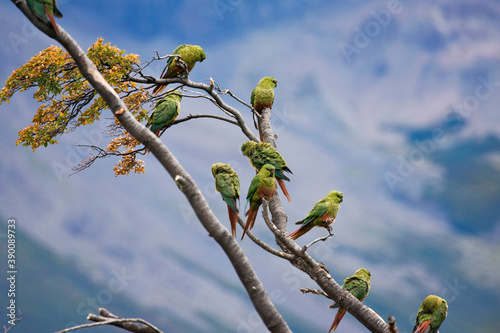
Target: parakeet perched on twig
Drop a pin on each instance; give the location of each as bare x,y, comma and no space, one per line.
46,10
431,315
323,214
263,97
190,54
165,112
359,286
263,185
263,153
227,184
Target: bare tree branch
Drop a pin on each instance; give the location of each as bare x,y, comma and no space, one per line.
314,291
263,244
136,325
391,324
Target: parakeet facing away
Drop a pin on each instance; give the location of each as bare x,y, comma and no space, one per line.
431,314
227,184
165,112
359,286
190,54
323,214
46,10
263,185
263,97
263,153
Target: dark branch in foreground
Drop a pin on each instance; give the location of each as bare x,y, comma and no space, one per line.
136,325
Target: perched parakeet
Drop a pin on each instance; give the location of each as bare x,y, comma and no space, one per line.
227,184
46,10
323,214
263,185
190,54
263,153
263,97
165,112
359,286
431,314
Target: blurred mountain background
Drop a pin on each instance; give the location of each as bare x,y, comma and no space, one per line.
394,103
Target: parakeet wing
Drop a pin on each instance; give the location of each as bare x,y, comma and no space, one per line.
171,59
357,287
318,210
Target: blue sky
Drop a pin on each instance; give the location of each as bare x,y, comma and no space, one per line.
394,103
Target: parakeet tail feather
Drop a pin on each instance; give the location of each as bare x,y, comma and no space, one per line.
233,218
52,21
299,232
284,189
252,214
422,328
337,320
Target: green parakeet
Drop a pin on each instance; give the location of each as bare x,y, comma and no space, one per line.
190,54
431,314
323,214
165,112
46,10
227,184
263,153
359,286
263,185
263,97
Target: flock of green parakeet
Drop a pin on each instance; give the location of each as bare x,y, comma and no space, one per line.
268,164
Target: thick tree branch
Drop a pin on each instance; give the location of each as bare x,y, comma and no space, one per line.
265,308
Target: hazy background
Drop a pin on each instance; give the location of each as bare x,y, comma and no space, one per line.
394,103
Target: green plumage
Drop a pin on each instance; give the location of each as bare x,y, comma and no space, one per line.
323,214
263,97
263,153
190,54
431,314
46,10
227,184
263,185
359,286
165,112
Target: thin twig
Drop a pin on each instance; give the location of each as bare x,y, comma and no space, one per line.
321,239
391,325
314,291
264,245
